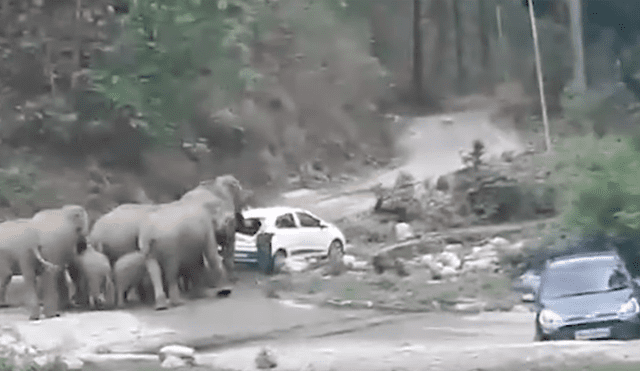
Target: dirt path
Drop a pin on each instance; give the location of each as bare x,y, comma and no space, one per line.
430,149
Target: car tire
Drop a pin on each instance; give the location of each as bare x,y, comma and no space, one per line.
277,262
539,336
335,247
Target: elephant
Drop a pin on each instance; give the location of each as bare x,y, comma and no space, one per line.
129,272
60,231
115,234
20,255
174,238
228,195
95,276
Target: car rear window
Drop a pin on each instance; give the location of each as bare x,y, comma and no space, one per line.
581,278
251,226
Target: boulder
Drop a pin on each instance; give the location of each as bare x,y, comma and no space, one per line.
449,259
173,356
403,232
482,265
454,248
266,359
448,272
349,261
499,241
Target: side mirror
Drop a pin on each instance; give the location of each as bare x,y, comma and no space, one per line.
323,226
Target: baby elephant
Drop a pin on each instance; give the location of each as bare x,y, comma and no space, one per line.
96,278
130,271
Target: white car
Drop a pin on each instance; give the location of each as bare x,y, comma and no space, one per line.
292,231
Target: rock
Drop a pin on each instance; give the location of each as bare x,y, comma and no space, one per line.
519,308
475,307
481,265
359,266
177,351
6,339
449,259
448,272
173,362
427,260
266,359
349,261
73,363
499,241
454,248
403,232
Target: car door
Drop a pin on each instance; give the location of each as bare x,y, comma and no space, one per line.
287,234
316,236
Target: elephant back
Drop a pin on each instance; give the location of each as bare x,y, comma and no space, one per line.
18,233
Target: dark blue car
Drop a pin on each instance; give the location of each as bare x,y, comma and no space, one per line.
587,296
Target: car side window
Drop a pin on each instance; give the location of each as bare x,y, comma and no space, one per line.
307,220
285,221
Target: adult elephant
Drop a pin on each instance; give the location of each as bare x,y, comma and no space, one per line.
20,255
60,231
228,196
174,238
115,234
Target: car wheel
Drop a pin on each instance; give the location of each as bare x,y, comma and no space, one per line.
277,262
539,336
336,250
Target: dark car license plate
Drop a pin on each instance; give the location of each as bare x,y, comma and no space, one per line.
596,333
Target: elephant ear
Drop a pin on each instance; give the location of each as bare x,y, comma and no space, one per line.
233,188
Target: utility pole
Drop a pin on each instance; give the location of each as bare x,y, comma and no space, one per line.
579,75
536,47
417,52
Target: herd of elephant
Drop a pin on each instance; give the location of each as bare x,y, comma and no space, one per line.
158,250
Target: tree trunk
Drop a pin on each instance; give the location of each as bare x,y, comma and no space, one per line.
439,13
462,74
579,75
487,76
417,52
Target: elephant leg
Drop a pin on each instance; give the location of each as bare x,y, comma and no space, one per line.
5,279
49,281
153,267
216,266
171,276
62,289
228,255
31,293
81,297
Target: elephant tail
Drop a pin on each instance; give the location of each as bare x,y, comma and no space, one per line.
146,245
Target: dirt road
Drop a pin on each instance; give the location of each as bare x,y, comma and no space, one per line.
430,148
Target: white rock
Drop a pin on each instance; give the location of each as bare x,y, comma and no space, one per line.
73,363
426,260
349,260
518,308
403,232
6,339
449,259
359,266
448,272
454,248
43,360
266,359
470,307
173,362
176,351
499,241
482,265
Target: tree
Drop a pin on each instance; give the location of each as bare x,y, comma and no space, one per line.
462,71
417,51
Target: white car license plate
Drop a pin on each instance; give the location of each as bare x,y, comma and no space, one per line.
596,333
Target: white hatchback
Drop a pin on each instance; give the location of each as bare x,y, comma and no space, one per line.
292,231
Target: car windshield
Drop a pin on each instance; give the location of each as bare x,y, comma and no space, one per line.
581,278
250,226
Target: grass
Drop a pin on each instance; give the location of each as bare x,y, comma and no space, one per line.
411,293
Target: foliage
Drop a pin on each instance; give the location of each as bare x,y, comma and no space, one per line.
171,48
600,183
